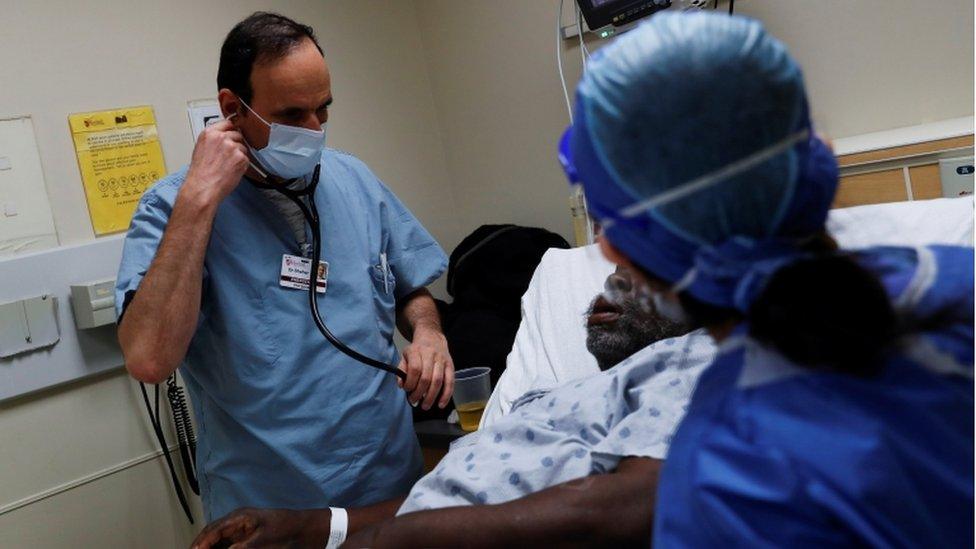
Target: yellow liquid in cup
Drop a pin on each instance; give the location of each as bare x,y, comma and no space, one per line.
470,414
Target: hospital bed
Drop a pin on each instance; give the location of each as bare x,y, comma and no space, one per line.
550,346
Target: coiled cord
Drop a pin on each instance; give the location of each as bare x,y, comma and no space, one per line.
184,431
161,438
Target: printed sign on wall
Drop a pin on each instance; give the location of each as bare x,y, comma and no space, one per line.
120,156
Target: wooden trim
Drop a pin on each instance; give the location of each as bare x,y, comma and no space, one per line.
871,188
906,151
926,182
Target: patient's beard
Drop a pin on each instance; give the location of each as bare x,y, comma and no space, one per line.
635,329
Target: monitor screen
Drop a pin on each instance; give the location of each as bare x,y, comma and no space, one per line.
600,13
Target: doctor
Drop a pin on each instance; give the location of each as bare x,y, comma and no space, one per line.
284,419
839,411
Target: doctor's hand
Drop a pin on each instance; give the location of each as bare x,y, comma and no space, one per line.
267,527
429,369
218,163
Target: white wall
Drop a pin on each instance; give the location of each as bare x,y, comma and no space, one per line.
60,57
869,64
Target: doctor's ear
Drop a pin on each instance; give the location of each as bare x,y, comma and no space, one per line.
230,104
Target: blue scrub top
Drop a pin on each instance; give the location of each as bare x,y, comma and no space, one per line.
284,419
774,455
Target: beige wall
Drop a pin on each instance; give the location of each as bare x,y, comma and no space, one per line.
98,55
500,106
66,435
874,65
59,57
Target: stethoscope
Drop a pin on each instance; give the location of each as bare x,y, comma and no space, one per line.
311,214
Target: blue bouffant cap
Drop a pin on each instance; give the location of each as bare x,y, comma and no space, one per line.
693,142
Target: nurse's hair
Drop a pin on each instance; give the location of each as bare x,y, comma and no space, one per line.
259,38
825,312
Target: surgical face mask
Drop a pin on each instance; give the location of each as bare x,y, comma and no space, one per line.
292,151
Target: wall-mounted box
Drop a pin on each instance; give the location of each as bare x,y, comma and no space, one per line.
93,303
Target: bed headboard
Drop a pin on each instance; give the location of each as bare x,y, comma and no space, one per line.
873,174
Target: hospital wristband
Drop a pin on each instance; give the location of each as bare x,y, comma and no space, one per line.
338,527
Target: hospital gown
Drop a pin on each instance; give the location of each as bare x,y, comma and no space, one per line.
578,429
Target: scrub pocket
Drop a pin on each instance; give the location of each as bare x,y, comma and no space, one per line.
384,296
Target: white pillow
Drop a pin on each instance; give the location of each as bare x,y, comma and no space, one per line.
916,223
550,346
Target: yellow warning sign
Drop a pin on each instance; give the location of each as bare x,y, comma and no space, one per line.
119,156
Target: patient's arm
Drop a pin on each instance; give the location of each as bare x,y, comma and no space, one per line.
278,527
599,510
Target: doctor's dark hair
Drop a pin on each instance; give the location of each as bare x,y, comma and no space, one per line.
261,37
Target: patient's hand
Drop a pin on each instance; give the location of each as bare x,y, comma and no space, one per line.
267,527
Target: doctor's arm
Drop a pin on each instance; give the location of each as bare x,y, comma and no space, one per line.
615,509
159,322
426,360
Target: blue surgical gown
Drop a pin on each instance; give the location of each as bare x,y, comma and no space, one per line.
284,419
774,455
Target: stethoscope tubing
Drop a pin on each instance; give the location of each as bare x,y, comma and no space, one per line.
311,214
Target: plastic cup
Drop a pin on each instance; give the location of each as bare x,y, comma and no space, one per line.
472,387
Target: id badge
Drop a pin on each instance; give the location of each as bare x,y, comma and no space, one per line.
295,273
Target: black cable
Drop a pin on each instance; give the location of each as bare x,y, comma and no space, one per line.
311,215
161,438
731,6
185,436
156,399
314,306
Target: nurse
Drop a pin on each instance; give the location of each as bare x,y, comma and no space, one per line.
284,419
840,408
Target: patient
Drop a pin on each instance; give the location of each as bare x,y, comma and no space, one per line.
577,463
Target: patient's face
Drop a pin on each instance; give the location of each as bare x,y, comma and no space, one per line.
617,326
